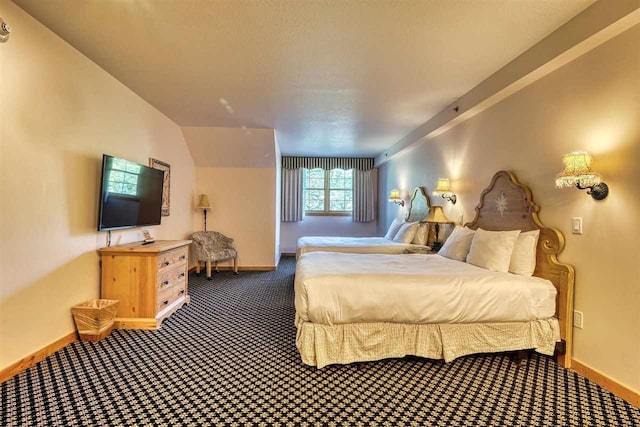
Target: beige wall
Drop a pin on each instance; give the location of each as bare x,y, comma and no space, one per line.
238,169
278,213
59,112
243,208
593,104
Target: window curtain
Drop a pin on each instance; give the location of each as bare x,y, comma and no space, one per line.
328,163
292,195
363,189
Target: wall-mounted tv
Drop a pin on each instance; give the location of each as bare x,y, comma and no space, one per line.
130,196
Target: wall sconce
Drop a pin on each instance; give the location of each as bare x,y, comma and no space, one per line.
443,190
5,31
577,172
204,205
395,198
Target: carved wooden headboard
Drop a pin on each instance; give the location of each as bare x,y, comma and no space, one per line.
508,205
419,205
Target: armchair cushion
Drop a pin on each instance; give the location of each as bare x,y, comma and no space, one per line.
212,246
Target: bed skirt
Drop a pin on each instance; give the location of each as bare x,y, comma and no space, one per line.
322,345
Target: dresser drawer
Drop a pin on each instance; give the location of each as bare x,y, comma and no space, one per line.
172,257
170,295
171,276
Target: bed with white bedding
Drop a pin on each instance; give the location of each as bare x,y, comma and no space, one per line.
415,289
362,307
418,209
415,295
354,245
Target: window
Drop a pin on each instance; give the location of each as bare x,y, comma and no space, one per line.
328,192
123,177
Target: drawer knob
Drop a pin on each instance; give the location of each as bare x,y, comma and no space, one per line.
167,263
165,302
183,257
182,291
166,282
182,274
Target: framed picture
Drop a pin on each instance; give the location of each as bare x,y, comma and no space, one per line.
166,184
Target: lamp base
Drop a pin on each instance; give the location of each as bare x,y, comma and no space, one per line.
436,246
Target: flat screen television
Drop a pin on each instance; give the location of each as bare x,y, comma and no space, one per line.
130,196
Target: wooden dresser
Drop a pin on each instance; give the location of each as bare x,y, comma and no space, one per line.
151,281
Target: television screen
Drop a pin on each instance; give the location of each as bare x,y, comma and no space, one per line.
131,194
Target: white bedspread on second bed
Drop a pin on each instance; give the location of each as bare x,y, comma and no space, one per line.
359,245
334,288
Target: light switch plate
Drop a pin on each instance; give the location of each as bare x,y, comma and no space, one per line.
576,225
578,319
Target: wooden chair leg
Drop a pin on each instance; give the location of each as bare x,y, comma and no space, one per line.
198,268
235,266
215,264
209,270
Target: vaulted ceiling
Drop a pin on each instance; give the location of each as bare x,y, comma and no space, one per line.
332,77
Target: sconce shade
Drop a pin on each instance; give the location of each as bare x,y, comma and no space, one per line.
443,190
394,197
204,202
577,171
436,215
442,187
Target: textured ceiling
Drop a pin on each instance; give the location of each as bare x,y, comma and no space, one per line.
334,77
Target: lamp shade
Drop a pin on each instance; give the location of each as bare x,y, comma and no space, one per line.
436,215
443,185
577,171
394,196
204,202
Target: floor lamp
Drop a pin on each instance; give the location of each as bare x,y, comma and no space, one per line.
204,205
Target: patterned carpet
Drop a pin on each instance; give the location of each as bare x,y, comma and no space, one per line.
229,358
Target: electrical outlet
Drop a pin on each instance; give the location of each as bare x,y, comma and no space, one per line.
576,225
578,319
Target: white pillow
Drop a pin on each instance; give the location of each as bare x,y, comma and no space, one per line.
421,235
393,229
492,249
457,244
523,258
406,232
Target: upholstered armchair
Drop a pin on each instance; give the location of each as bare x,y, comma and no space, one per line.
211,247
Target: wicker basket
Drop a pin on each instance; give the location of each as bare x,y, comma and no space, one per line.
94,319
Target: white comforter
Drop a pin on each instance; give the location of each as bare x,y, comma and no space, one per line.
334,288
353,245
